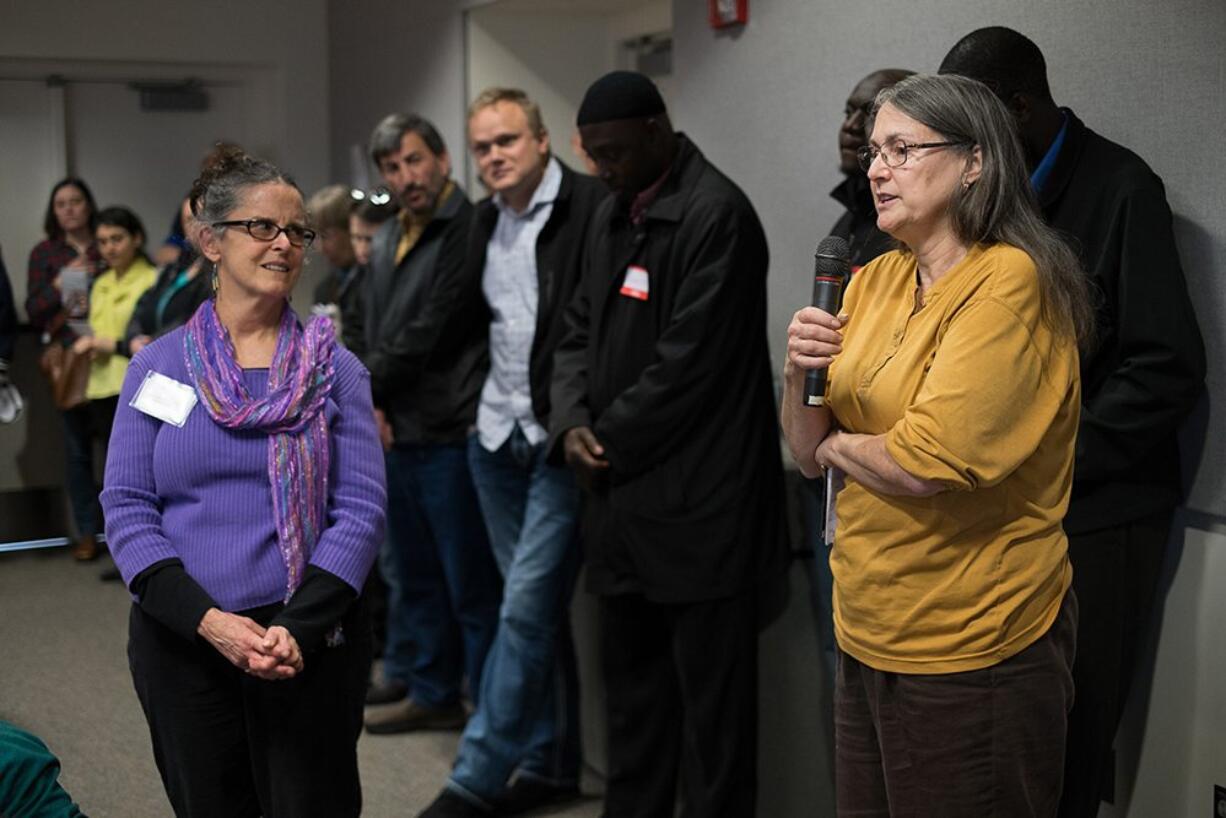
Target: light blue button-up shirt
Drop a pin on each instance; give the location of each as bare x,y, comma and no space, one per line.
509,282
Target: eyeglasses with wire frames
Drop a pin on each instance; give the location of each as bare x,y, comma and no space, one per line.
894,152
268,230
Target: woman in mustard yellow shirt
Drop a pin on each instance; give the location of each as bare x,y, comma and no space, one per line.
951,416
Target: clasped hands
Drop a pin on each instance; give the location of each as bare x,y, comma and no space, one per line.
266,653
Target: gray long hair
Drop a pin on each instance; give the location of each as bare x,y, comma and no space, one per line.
1000,207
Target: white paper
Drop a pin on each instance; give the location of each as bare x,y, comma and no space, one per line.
164,398
834,484
74,295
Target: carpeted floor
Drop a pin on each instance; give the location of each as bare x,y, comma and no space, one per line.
64,676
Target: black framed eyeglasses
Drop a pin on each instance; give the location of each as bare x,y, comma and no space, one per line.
894,152
268,230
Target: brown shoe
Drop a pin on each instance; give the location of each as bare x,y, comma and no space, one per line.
386,692
406,715
85,549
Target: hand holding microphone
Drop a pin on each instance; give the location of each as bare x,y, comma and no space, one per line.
814,336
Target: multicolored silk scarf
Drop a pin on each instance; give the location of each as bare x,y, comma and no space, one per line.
291,414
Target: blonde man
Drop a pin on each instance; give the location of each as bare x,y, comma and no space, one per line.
521,747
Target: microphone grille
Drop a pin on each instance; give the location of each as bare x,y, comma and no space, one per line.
834,247
832,256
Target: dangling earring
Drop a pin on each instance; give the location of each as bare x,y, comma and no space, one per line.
215,280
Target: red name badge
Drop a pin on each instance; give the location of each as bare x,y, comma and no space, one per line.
636,284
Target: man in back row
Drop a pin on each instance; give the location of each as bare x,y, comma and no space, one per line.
663,404
525,254
1138,385
422,334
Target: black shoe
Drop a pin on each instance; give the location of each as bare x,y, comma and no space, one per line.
525,794
450,805
386,692
110,574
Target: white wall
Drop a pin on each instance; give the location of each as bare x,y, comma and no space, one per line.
285,37
393,55
1173,739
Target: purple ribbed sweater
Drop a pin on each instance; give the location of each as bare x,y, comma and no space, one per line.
202,493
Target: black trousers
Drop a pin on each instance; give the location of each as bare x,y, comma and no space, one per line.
1115,575
230,745
87,432
682,704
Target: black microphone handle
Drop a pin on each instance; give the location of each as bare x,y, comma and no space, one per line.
826,292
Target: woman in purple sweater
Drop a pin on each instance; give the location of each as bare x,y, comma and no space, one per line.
244,506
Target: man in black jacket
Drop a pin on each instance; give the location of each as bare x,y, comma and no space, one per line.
1138,384
663,405
858,225
420,329
524,255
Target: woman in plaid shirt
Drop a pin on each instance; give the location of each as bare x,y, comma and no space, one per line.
69,225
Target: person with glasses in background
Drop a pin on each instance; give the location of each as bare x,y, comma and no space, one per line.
367,212
329,209
69,255
366,215
948,437
245,505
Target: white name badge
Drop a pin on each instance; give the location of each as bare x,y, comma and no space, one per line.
636,284
834,484
164,398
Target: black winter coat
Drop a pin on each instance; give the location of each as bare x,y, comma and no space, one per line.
1148,368
420,328
678,389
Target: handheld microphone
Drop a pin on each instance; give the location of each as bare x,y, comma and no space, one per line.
831,269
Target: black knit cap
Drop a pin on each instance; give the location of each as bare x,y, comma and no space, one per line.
619,95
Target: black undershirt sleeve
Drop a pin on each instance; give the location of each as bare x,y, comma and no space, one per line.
168,593
315,608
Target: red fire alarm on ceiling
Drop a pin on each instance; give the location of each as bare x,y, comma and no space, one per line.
725,13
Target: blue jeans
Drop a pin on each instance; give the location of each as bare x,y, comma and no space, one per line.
528,717
443,585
